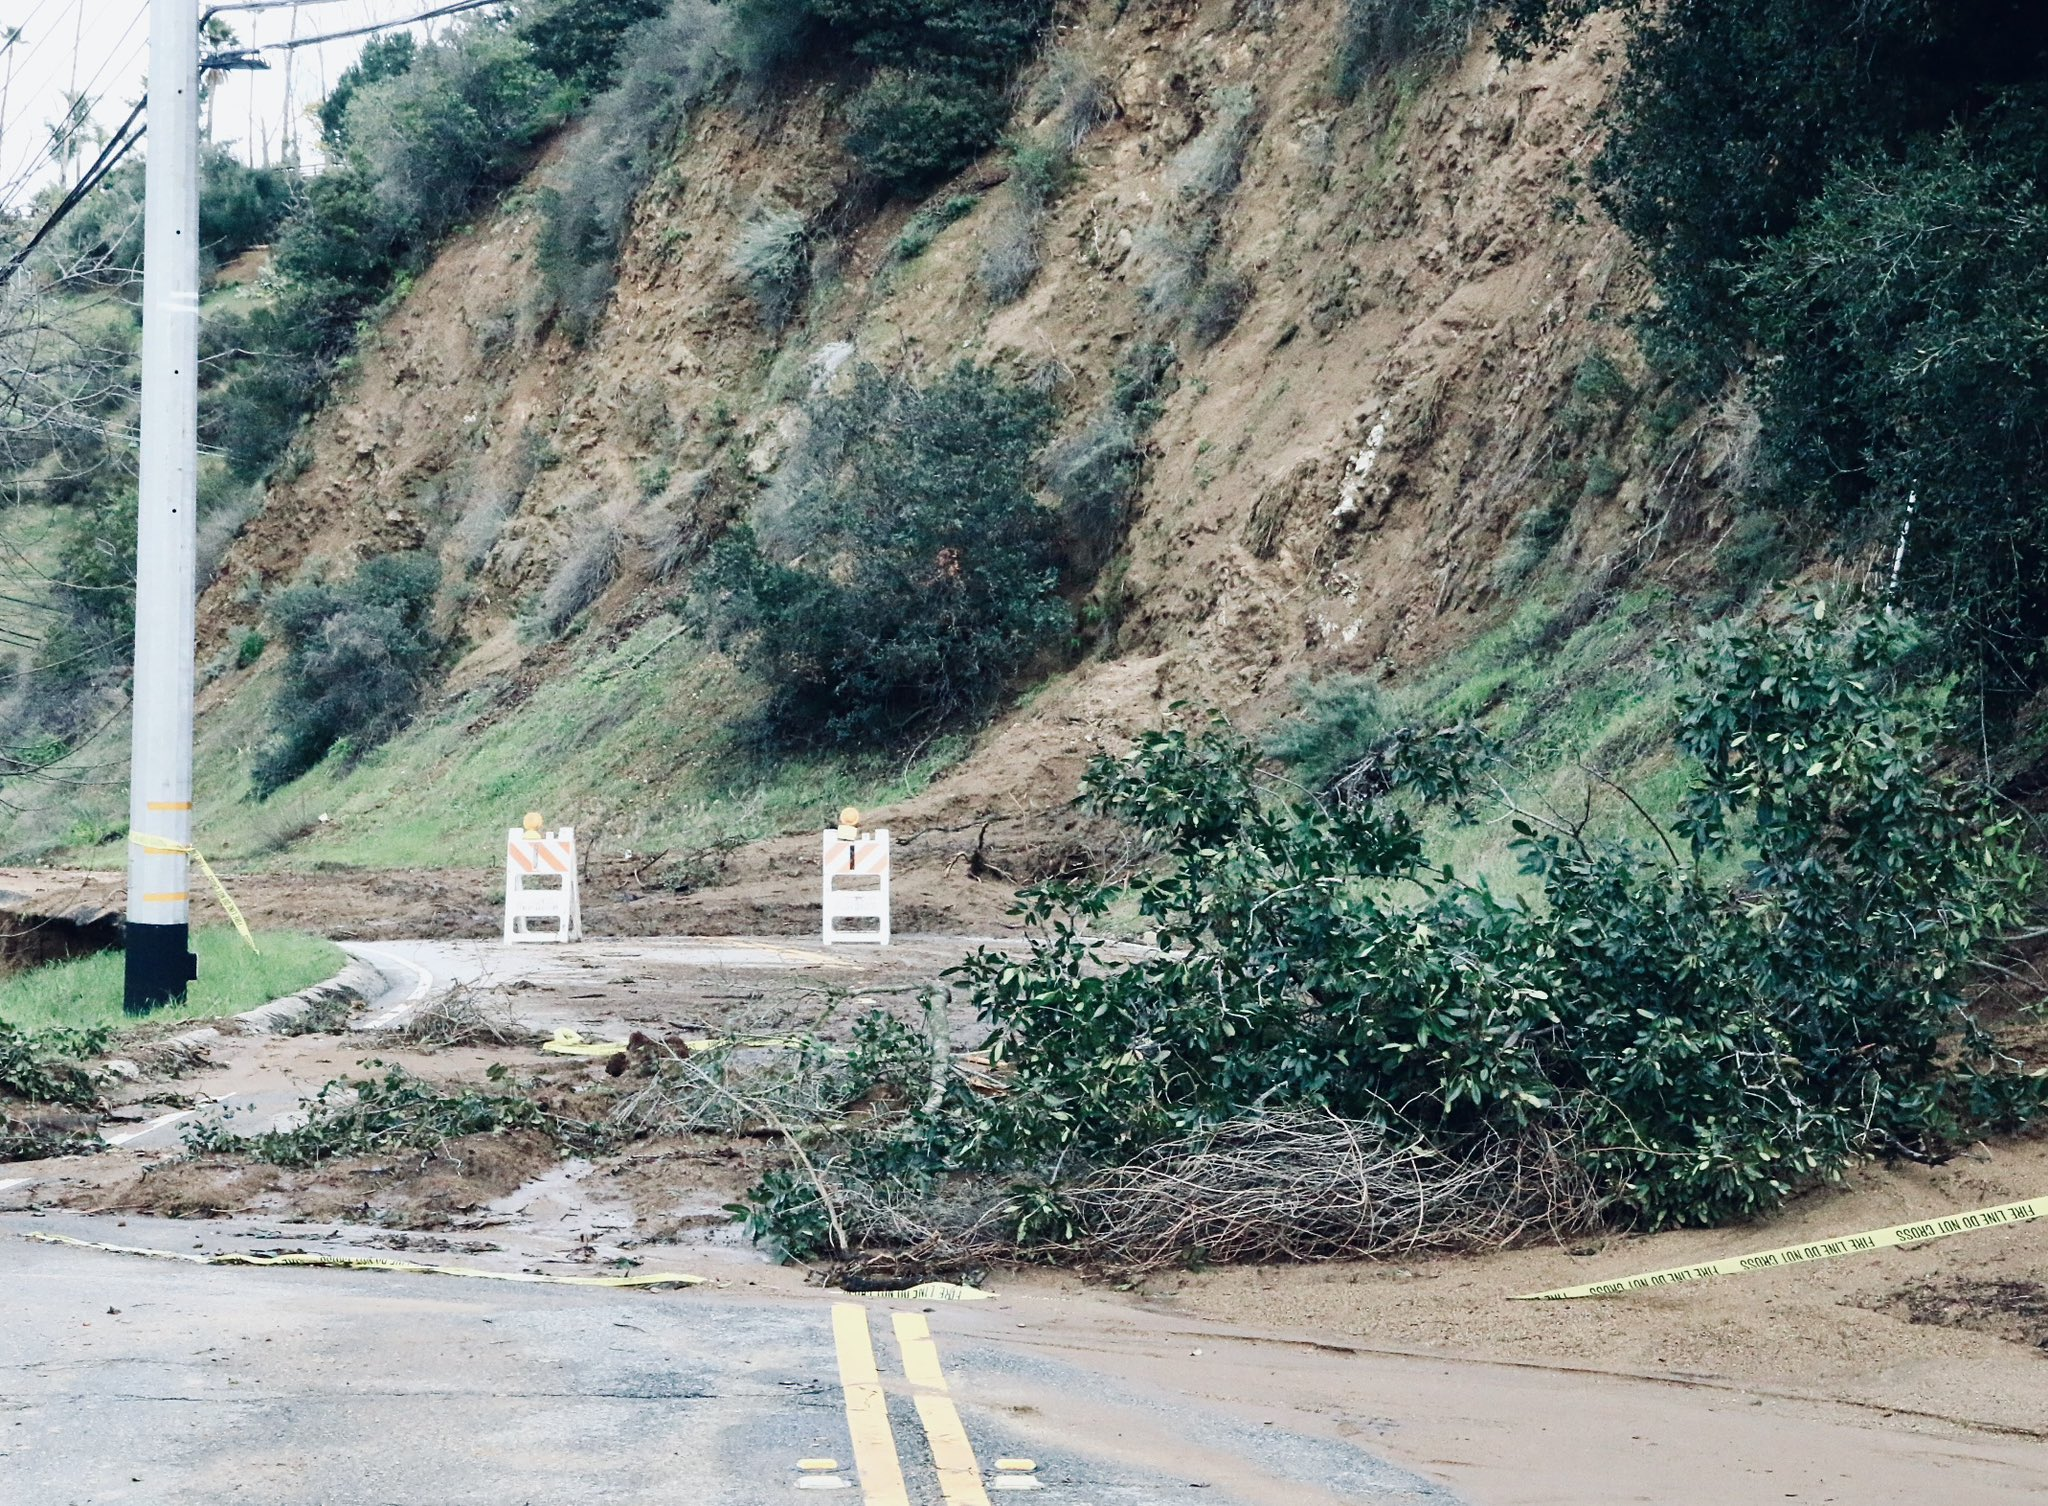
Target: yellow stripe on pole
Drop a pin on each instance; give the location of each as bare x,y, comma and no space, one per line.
167,805
952,1452
176,897
165,847
1826,1249
867,1409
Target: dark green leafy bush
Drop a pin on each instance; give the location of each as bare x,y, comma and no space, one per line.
911,129
1843,202
936,101
48,1066
1906,308
1703,1035
904,573
357,657
580,40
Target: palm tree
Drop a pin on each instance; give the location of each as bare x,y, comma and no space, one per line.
217,36
10,36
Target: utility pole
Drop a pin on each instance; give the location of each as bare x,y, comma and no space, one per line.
160,962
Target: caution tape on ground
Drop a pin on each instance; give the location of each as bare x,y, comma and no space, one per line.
569,1043
165,847
1826,1249
371,1263
936,1291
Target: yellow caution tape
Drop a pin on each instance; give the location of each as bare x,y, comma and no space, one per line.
569,1043
371,1263
165,847
1826,1249
934,1291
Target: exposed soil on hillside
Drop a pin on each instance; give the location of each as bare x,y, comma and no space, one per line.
1332,484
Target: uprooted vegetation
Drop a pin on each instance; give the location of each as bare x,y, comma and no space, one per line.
396,1112
1682,1031
46,1077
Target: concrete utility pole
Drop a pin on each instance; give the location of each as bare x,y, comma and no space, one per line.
160,962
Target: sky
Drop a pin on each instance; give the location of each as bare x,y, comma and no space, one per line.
100,48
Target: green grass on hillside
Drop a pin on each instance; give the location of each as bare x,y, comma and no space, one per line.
87,990
633,745
1561,699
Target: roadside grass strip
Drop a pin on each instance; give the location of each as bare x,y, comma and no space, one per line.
656,1280
1827,1249
232,978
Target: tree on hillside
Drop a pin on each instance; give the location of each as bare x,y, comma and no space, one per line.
1843,203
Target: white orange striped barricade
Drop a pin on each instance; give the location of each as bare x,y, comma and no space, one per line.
541,884
857,885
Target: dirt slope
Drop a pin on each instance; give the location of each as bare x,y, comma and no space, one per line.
1332,484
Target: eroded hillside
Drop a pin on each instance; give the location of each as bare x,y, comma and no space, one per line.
1392,449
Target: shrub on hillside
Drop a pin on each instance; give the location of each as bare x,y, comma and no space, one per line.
1220,301
1842,204
1094,473
1342,720
581,578
1040,172
357,657
772,258
904,574
580,40
936,101
1011,254
661,69
1378,36
451,127
1911,382
425,135
911,129
1701,1037
382,57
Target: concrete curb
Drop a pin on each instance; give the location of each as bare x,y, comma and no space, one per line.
357,982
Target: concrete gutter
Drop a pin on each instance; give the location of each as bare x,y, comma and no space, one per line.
357,983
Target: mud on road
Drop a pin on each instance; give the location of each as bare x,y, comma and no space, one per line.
1861,1380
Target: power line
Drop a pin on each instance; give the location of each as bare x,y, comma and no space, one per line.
359,31
109,158
51,144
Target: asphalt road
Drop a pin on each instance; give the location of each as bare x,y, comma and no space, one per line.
134,1380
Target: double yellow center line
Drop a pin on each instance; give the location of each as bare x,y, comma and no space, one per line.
867,1411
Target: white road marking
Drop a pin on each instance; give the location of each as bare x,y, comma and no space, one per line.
155,1124
404,1006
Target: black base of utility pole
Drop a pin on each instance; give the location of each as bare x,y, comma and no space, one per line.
160,964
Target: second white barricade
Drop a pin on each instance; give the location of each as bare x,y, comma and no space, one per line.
856,876
541,884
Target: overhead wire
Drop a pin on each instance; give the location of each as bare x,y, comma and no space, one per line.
51,144
110,156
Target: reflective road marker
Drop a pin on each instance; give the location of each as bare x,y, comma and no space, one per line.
867,1409
959,1475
